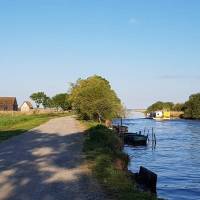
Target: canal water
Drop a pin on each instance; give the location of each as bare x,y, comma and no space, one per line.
175,159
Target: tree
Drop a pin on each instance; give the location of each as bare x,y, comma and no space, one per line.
39,98
178,107
93,98
61,101
47,102
160,106
192,107
169,106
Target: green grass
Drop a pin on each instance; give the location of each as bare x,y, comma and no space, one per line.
89,124
103,148
12,125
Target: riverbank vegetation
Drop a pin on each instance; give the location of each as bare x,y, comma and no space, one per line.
94,101
190,109
109,164
169,106
12,124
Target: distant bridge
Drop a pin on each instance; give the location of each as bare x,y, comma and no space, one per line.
136,110
130,112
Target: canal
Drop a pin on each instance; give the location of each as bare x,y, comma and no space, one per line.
175,159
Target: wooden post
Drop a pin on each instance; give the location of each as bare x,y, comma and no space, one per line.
155,138
147,179
121,121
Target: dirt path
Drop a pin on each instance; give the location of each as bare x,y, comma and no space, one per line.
47,164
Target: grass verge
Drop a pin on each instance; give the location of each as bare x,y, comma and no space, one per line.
12,125
104,148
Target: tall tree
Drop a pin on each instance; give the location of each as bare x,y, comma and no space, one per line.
61,101
47,102
39,98
93,98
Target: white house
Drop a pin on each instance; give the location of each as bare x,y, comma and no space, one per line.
158,114
26,106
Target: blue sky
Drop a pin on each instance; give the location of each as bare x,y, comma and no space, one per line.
148,50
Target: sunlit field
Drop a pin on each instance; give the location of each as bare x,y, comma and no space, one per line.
12,124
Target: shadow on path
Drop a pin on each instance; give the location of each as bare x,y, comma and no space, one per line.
42,166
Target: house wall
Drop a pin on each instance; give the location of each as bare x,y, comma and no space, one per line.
25,108
159,114
8,107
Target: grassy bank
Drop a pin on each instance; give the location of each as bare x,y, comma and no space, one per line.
12,125
109,164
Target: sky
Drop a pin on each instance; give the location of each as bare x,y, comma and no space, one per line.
148,50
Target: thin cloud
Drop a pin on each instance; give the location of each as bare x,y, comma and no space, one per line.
170,77
133,21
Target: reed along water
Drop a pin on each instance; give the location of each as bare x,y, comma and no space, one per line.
175,159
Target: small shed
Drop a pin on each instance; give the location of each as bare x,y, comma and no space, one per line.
167,114
8,104
26,106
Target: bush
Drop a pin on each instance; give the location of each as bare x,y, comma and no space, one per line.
103,137
192,107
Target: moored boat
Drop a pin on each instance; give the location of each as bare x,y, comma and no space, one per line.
135,139
159,115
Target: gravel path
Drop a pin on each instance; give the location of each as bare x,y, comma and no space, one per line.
47,163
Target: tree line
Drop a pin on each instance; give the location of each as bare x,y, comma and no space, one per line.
91,99
168,106
59,101
191,108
